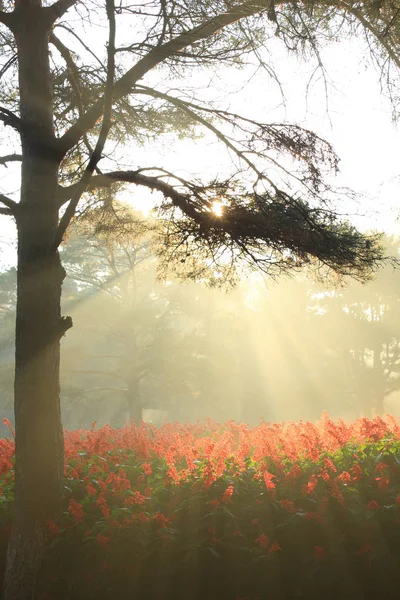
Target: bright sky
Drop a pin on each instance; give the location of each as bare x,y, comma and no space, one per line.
356,119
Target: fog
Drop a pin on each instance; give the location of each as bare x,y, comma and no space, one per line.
165,350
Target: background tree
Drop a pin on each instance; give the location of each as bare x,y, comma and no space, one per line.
361,325
63,96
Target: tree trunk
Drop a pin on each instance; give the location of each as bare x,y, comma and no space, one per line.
135,412
39,326
39,437
378,381
380,403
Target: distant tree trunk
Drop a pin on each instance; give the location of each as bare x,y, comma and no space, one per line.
379,403
39,326
135,409
378,381
135,412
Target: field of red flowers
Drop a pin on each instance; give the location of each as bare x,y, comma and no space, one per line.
211,511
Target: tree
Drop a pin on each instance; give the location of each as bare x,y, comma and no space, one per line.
361,324
151,344
132,317
63,106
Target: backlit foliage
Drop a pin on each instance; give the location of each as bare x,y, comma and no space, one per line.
225,511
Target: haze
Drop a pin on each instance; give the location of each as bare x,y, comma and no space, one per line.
286,350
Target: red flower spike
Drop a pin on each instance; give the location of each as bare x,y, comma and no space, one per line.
262,541
147,469
320,552
274,548
268,480
54,530
227,495
288,505
364,550
103,541
161,519
76,510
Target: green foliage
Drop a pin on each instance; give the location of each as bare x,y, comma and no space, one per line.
144,520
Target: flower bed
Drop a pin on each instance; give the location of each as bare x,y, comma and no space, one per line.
214,511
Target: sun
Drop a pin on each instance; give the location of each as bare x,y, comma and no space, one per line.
217,208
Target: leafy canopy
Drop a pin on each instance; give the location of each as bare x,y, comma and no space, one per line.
115,89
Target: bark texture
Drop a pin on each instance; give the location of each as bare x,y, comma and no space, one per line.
39,325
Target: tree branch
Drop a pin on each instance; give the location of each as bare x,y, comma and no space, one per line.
159,54
71,66
73,77
76,36
9,118
96,155
98,372
10,204
105,389
10,158
59,8
8,64
186,107
154,183
6,211
374,30
271,231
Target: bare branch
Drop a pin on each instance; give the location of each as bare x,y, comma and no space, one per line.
159,54
10,204
10,158
8,64
96,155
76,36
71,66
10,118
105,389
112,374
195,116
73,77
6,211
154,183
59,8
